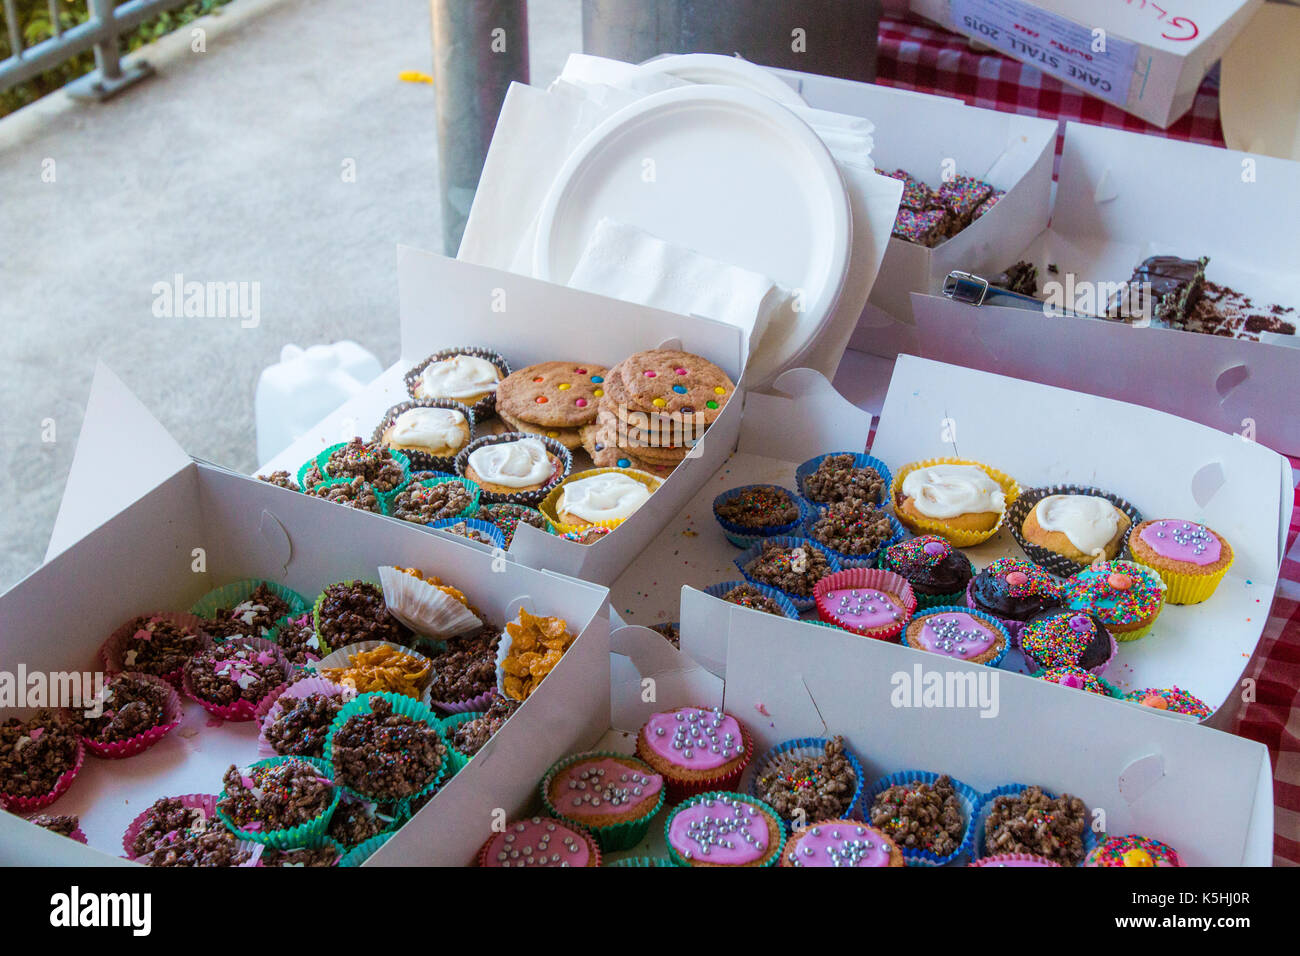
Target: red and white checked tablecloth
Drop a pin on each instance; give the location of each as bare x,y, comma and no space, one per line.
919,56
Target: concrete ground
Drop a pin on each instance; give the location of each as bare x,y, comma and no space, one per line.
227,166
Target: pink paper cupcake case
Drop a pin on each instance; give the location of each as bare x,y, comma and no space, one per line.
24,805
269,710
111,651
207,802
875,578
242,710
120,749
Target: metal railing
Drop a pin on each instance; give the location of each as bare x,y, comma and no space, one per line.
108,20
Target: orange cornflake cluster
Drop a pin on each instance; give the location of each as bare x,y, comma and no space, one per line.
537,644
382,669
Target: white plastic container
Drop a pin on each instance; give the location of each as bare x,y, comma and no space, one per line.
304,387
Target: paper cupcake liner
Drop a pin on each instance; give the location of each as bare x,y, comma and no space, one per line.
1059,564
303,834
968,796
365,850
171,719
1035,663
1183,588
593,847
986,618
241,709
254,851
485,407
231,594
479,702
449,724
324,456
808,747
112,650
961,539
859,461
300,476
549,526
524,497
1005,858
873,578
207,802
677,789
640,861
269,711
414,709
316,845
386,500
611,836
24,805
423,607
786,605
423,460
342,658
846,560
752,553
745,537
1010,789
549,504
483,527
772,859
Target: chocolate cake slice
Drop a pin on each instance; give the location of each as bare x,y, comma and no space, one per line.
1175,286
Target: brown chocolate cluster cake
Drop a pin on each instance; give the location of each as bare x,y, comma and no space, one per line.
921,816
132,705
820,786
275,796
302,725
354,611
839,478
1032,822
35,753
386,756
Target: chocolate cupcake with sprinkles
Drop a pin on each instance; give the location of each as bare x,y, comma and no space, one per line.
1013,591
937,571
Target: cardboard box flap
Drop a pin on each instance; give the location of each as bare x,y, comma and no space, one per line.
122,454
647,672
1197,789
777,423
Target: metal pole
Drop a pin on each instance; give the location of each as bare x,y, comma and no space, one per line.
106,58
479,48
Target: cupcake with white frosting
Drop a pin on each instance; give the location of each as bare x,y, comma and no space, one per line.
1065,528
962,501
431,432
514,467
467,375
602,497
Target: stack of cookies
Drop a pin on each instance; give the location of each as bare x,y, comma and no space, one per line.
654,408
554,399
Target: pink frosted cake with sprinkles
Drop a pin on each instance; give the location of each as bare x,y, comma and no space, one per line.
956,634
724,829
694,749
539,841
841,843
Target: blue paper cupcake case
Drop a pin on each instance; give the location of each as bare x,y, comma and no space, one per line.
800,602
859,461
304,834
787,608
854,560
1009,789
743,537
486,527
970,799
808,747
988,619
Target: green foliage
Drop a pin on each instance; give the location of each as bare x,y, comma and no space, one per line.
36,25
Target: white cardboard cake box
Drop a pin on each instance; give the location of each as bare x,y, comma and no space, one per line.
1206,793
926,137
1151,59
446,303
141,558
1165,466
1123,197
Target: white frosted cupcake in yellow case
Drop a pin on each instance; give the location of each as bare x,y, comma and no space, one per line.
605,497
963,501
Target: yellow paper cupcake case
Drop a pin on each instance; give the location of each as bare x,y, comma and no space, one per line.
1187,588
547,507
961,539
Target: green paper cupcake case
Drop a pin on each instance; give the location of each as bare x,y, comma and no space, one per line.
234,593
969,798
408,707
449,725
678,860
386,500
978,849
396,455
351,502
614,836
364,851
304,834
325,648
630,861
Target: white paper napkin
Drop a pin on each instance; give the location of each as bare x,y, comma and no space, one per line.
625,262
